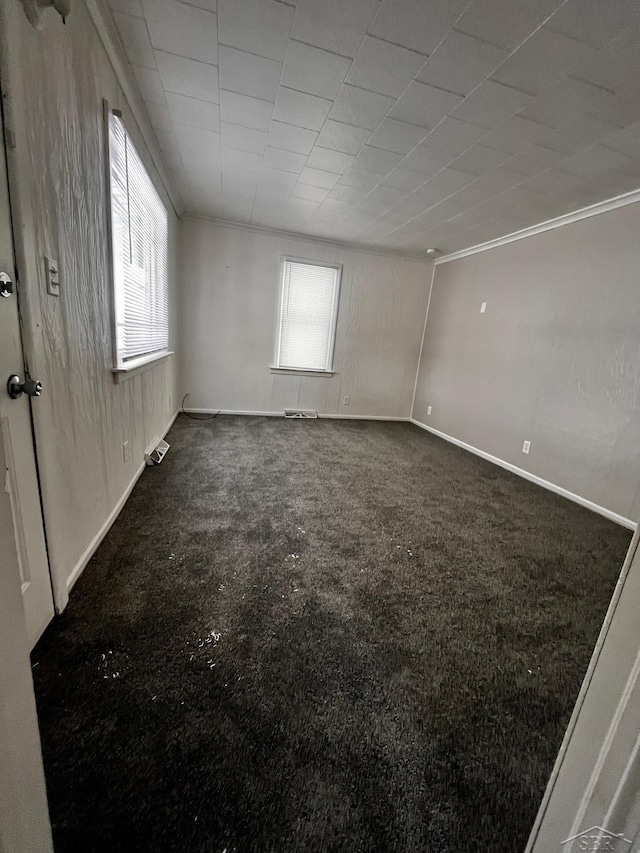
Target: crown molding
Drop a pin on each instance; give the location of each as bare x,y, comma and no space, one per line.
105,26
558,222
308,238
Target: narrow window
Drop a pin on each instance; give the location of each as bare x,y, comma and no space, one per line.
308,313
140,235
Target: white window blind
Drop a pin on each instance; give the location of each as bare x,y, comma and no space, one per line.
307,315
140,231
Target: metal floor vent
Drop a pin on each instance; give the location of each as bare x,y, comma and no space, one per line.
300,413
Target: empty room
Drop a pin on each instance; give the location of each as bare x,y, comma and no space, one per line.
319,426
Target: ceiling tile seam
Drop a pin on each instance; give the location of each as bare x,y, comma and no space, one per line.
315,46
257,183
179,55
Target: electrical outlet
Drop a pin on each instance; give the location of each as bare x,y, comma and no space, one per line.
483,308
346,399
52,276
526,447
428,410
126,452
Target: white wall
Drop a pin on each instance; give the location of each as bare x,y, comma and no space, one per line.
554,360
56,82
229,287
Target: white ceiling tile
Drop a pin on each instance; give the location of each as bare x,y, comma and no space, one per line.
499,180
541,61
292,138
505,23
313,70
427,161
256,26
461,62
250,75
243,138
130,7
424,105
359,107
240,162
135,38
534,159
193,112
499,160
318,178
244,110
404,179
333,24
415,24
209,5
329,160
625,141
197,146
454,136
578,134
287,161
592,21
517,133
159,115
345,192
149,84
333,207
479,160
342,137
184,30
360,178
490,103
596,160
377,160
306,204
304,191
384,68
397,136
188,77
301,109
381,199
276,184
167,140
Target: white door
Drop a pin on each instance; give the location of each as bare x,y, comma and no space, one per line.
24,589
21,480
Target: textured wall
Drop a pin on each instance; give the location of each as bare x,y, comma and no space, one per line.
229,295
555,359
56,84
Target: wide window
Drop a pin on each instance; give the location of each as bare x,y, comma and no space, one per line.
140,232
308,311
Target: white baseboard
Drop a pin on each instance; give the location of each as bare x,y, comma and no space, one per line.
552,487
281,415
115,512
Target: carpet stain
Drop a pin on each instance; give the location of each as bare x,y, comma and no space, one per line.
320,636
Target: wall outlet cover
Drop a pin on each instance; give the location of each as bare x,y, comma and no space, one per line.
428,410
483,308
526,446
346,400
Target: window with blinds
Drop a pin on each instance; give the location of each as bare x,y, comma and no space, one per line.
140,233
308,312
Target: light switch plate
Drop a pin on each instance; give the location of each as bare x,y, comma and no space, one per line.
52,276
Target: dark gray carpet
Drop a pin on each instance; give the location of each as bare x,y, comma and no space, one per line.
320,636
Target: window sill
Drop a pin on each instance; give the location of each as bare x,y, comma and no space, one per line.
138,365
291,371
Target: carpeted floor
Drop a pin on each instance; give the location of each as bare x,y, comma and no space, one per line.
304,637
